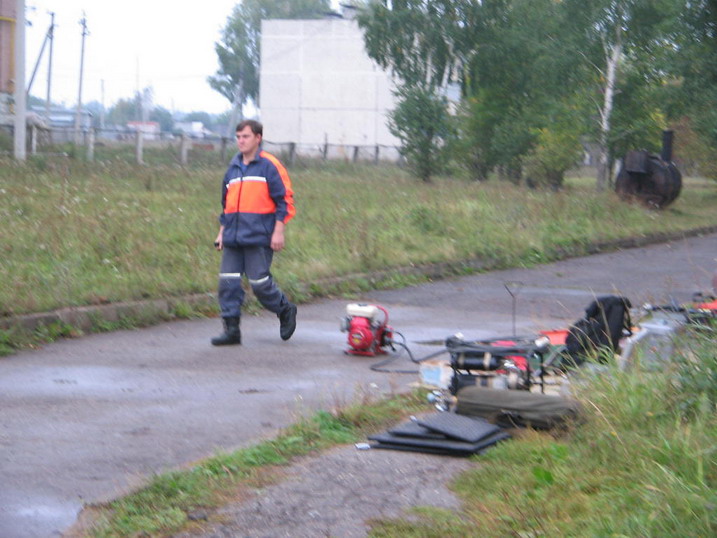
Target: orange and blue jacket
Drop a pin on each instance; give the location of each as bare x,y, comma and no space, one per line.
254,200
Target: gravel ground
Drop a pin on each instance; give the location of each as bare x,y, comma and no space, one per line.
337,494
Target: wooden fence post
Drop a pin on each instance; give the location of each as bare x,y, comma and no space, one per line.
91,145
223,150
292,153
33,140
184,149
139,148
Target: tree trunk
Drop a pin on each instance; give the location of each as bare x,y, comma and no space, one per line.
613,53
611,171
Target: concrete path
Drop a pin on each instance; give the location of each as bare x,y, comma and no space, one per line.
88,419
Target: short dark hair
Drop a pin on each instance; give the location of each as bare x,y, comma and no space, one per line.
256,127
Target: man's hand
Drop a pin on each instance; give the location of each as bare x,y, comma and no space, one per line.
277,238
219,241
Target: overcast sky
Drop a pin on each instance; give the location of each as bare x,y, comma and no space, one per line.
165,44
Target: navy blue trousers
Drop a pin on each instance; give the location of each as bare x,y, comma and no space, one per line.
255,263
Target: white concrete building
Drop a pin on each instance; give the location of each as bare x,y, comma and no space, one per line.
318,86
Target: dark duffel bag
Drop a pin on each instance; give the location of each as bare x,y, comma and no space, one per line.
606,321
517,408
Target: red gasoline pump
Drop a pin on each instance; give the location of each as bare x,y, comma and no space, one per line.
369,332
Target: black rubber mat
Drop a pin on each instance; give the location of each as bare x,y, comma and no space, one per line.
425,450
413,429
461,427
448,445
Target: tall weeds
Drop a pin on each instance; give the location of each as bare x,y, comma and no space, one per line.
77,233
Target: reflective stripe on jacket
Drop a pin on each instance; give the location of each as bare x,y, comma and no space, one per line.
254,200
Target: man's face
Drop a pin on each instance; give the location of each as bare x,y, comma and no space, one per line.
247,141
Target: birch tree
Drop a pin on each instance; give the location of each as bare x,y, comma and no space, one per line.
502,52
614,32
414,39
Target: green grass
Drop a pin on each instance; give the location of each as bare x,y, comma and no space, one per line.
644,463
163,506
80,234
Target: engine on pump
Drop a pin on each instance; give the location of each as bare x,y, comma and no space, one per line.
367,328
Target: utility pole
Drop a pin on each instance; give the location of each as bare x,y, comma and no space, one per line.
138,95
19,138
48,37
49,66
83,23
237,110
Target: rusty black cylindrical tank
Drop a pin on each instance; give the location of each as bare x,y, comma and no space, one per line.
652,179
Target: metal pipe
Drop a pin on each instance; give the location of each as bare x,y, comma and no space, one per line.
666,154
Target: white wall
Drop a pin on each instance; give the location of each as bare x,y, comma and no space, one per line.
318,84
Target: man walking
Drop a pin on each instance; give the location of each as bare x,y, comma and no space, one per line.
257,203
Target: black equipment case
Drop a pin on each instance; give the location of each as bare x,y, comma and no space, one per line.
511,408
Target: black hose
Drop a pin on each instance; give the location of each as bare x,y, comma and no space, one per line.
379,366
462,348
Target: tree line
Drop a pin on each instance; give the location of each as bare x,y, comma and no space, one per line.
538,77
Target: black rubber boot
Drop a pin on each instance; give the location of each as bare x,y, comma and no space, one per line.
231,335
287,319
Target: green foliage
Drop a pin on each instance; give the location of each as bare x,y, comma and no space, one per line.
185,310
6,141
472,147
697,374
692,91
405,38
695,152
98,235
638,118
517,72
124,110
518,61
164,117
557,149
8,343
426,522
490,47
239,52
427,220
624,44
55,330
420,121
